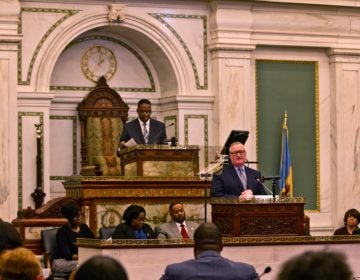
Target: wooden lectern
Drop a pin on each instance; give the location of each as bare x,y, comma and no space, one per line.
160,161
282,216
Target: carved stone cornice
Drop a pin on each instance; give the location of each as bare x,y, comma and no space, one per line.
343,55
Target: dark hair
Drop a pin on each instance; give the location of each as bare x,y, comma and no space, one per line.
143,101
207,237
352,213
316,266
132,212
174,203
9,236
70,210
101,268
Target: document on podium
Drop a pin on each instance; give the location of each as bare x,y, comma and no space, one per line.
130,143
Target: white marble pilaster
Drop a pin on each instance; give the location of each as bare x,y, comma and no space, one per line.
345,133
9,11
235,101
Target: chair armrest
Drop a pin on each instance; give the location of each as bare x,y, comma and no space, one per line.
47,260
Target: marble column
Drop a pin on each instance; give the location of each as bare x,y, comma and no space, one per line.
233,88
9,39
345,130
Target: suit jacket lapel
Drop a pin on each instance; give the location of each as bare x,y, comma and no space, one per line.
175,230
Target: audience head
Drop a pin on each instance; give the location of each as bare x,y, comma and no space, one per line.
318,265
19,264
237,154
352,217
177,211
71,211
135,216
9,236
207,237
144,109
101,268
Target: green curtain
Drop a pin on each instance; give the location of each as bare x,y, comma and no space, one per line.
289,86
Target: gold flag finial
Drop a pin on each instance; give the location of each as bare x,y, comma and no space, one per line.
285,118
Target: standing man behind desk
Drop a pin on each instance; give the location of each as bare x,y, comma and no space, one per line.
178,227
208,263
143,130
236,179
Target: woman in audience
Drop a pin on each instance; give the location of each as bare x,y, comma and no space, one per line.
100,268
134,226
9,236
351,221
65,259
19,263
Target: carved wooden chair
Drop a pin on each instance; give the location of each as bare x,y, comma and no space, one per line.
102,114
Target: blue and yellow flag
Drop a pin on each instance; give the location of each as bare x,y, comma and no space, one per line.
285,182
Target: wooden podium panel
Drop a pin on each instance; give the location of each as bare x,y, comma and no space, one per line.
160,160
284,216
105,198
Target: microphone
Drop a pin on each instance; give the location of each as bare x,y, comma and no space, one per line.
264,186
162,130
266,270
251,162
269,178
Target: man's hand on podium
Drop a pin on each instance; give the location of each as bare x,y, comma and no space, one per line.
246,195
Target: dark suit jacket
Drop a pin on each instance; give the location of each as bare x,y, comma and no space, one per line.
132,129
228,183
125,231
210,265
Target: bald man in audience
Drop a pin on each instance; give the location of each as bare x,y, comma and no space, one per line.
208,263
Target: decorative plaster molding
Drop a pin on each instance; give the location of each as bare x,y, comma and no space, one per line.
74,142
126,46
20,151
160,17
68,13
117,13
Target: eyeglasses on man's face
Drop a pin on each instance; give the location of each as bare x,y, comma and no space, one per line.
240,152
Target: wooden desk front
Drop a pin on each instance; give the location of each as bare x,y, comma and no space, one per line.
255,218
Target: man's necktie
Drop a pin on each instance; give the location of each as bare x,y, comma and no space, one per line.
145,133
184,233
242,176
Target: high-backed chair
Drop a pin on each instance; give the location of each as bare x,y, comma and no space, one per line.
102,114
48,237
106,232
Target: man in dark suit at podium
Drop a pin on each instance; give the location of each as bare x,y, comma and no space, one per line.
236,179
143,130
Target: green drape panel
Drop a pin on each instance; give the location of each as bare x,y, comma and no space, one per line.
289,86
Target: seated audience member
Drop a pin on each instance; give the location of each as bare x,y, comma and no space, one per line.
318,265
208,263
351,221
101,268
236,179
9,236
178,227
20,264
66,255
134,226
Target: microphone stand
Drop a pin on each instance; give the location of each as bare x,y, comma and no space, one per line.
274,185
206,175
